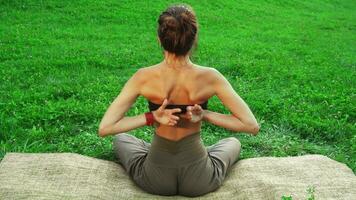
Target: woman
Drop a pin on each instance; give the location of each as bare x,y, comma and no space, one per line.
177,90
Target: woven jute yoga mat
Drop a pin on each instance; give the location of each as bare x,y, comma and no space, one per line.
74,176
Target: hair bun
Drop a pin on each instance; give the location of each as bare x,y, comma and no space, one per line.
170,23
177,29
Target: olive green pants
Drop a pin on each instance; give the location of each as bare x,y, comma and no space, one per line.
185,167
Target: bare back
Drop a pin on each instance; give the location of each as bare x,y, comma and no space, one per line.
184,86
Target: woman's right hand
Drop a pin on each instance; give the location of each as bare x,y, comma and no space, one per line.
166,116
194,113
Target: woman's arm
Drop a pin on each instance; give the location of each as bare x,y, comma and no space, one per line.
114,121
124,125
241,119
229,122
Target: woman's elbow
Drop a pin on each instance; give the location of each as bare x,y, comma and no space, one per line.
255,129
102,131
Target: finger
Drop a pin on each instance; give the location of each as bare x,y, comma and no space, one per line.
189,108
186,116
172,123
173,117
197,107
175,110
164,104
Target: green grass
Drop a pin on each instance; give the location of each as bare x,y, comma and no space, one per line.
63,62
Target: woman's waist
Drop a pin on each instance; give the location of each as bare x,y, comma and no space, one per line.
184,151
190,141
177,132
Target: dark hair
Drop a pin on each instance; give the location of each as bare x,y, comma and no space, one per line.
177,29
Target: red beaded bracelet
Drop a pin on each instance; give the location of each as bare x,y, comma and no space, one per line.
149,118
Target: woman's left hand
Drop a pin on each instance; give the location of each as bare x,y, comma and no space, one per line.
166,116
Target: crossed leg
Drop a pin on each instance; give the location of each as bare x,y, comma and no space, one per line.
223,155
130,152
209,174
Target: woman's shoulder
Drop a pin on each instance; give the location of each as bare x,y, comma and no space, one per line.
209,73
199,71
144,72
206,69
147,68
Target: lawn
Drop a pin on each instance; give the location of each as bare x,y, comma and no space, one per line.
294,62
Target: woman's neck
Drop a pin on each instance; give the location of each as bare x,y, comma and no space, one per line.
177,62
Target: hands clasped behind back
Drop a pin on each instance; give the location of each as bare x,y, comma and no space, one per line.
166,116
